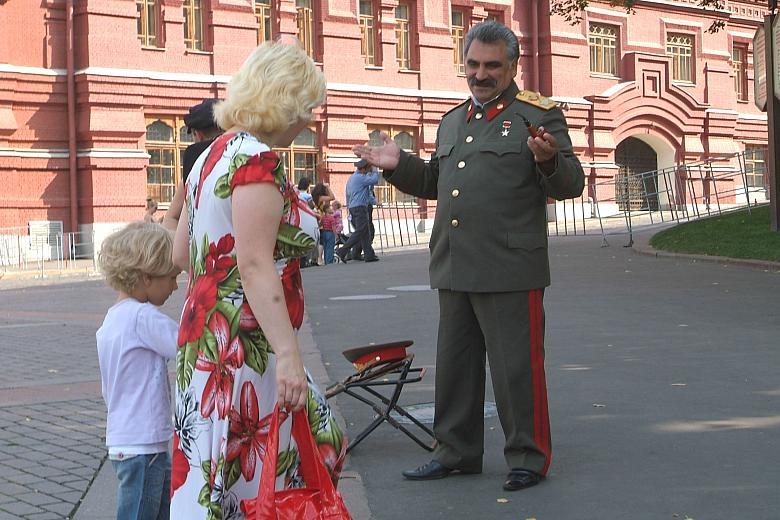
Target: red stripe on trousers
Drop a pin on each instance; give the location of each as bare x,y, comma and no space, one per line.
541,419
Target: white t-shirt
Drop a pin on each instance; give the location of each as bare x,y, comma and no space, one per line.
133,344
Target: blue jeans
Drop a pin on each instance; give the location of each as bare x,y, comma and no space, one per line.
328,239
362,234
144,491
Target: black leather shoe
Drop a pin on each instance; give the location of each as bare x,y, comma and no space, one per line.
430,471
371,259
520,479
342,257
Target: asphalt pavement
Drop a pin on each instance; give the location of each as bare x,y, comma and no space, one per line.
664,391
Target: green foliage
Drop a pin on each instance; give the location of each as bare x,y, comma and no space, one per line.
571,10
256,349
735,235
291,242
287,461
185,363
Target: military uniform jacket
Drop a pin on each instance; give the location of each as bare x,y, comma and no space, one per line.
490,230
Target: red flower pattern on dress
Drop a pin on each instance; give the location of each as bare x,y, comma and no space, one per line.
180,466
292,283
219,259
259,168
230,356
232,441
247,320
200,300
248,433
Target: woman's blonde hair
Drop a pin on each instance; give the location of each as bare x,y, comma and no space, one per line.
140,248
277,86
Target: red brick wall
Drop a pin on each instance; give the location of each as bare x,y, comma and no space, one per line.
119,83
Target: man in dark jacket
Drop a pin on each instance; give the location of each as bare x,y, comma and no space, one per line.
498,157
200,123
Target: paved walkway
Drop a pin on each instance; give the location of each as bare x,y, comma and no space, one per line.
662,374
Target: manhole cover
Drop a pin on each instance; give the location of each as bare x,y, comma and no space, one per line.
423,412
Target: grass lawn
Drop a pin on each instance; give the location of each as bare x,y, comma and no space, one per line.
737,235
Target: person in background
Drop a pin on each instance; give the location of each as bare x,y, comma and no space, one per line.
241,234
321,196
358,192
338,222
151,209
200,123
327,233
133,344
357,252
303,191
499,156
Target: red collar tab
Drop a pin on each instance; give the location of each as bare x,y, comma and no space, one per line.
470,112
496,109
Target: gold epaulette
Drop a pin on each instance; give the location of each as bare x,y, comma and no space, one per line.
536,99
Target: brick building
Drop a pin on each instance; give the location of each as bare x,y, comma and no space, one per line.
92,92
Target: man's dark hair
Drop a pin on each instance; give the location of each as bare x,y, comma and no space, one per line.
492,32
303,184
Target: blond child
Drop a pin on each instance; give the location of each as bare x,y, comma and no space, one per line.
133,344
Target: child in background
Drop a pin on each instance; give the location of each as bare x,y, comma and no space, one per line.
338,222
327,234
133,344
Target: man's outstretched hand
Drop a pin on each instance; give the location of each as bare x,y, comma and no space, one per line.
384,156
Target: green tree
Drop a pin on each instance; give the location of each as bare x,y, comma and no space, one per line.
571,10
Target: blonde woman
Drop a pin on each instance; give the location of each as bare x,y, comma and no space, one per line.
240,235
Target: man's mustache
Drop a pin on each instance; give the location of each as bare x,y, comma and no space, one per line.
487,82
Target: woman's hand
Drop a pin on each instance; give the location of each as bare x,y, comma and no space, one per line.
292,387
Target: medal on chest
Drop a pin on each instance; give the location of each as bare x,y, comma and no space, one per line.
506,125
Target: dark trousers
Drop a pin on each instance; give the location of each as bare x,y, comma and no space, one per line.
362,233
358,249
508,329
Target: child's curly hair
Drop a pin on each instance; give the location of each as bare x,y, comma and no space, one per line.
140,248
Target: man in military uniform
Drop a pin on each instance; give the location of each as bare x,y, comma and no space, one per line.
498,157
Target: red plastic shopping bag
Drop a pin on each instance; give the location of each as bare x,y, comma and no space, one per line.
319,500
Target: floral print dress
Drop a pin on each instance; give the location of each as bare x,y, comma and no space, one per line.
225,368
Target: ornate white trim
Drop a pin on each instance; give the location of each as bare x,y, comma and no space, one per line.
62,153
38,71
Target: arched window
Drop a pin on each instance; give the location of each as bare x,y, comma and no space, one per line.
405,139
166,140
159,131
300,159
307,137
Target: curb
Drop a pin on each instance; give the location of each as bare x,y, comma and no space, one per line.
642,246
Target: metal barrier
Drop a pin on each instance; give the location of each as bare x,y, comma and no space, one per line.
396,224
21,251
612,206
631,202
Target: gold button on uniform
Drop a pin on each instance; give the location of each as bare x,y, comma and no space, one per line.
479,115
469,139
462,164
455,192
454,222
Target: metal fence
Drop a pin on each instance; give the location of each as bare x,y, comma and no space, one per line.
23,250
630,202
619,205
